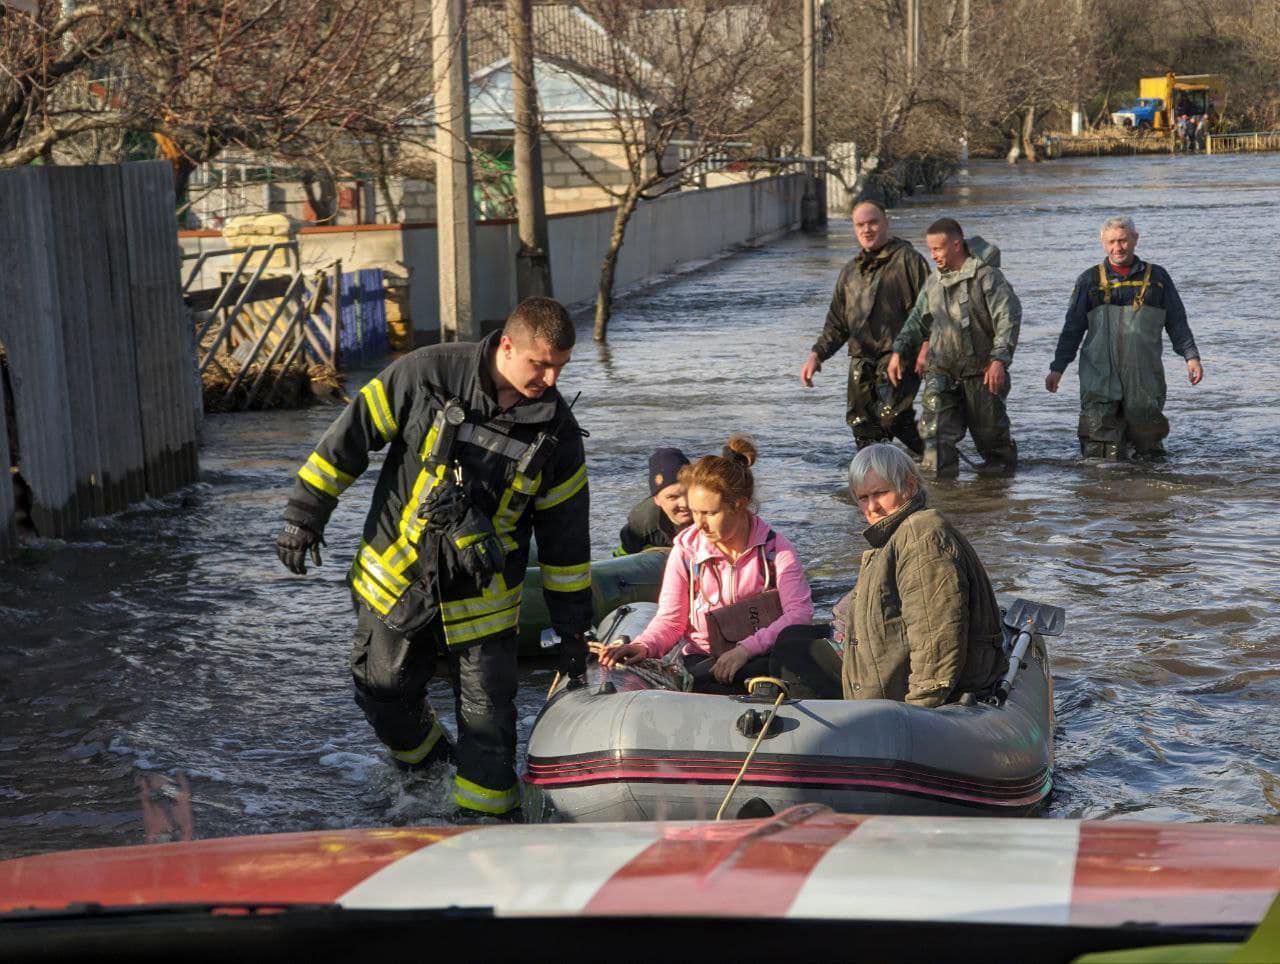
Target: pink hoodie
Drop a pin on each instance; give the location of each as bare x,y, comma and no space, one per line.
740,579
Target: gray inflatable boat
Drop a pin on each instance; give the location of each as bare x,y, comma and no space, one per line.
623,747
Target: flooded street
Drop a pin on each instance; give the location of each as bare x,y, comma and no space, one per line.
169,638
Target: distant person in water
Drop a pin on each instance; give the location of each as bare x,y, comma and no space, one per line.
655,521
1120,309
729,562
923,626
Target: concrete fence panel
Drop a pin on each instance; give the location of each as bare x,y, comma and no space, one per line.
99,344
31,331
8,509
162,328
112,337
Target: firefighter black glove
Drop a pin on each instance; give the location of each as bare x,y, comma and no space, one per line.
476,547
293,544
471,547
573,654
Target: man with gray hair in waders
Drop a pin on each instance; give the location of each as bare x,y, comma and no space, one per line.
970,317
1119,310
873,295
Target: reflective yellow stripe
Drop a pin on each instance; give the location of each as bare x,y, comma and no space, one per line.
469,540
319,473
375,397
459,633
564,491
419,753
475,797
324,485
565,578
506,518
374,566
495,598
370,591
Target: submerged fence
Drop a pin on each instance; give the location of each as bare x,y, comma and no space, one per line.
1244,142
101,398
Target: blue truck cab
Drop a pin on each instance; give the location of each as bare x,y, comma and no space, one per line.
1141,113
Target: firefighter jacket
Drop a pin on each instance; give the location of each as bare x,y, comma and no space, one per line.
397,411
969,316
874,293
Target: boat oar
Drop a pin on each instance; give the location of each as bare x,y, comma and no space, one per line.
764,731
1027,617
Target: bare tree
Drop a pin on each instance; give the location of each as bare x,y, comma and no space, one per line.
674,85
297,80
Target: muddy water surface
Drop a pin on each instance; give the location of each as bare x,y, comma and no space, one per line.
169,639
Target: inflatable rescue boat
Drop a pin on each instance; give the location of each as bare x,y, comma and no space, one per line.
622,747
615,582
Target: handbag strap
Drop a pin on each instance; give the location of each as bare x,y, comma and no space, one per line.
768,552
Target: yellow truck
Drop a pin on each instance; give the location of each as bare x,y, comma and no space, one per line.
1162,99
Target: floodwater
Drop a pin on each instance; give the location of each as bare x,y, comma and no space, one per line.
168,639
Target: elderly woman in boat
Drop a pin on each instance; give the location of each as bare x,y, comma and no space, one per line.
731,585
923,626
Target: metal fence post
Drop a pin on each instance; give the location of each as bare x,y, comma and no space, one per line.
335,322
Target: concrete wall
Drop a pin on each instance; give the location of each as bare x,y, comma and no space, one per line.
664,235
100,357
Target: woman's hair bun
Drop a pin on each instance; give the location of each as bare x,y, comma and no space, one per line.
740,448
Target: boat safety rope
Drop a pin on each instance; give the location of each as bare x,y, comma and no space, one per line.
764,731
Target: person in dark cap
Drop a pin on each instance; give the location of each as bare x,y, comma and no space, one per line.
654,522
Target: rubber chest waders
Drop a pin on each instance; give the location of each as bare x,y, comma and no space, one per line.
1122,387
876,409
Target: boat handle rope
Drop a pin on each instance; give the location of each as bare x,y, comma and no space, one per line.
764,730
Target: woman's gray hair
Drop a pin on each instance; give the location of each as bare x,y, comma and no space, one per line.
1124,224
890,463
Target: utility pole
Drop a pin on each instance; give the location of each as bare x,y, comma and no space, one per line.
533,260
1077,114
913,40
810,214
964,73
455,229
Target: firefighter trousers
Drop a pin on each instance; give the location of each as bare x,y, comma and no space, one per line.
391,673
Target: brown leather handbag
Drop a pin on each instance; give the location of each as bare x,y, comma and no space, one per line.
730,625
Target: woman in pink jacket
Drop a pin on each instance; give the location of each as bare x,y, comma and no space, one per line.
726,556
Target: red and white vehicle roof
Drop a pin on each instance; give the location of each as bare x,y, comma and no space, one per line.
805,863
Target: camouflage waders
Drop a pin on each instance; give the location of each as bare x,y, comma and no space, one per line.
952,405
879,411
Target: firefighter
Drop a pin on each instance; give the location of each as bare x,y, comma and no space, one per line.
874,293
482,454
1120,309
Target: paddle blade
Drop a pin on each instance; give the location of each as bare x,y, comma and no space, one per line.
1039,617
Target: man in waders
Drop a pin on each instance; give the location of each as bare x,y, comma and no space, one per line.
1119,310
482,453
873,295
970,317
